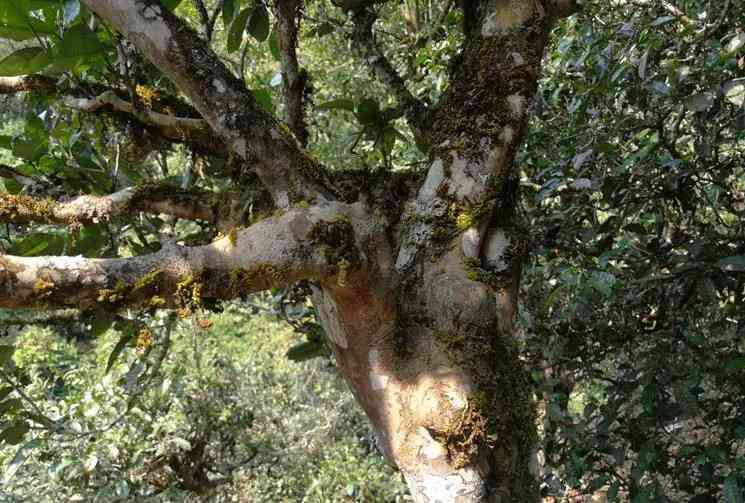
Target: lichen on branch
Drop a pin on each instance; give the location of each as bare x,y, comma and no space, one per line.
153,198
274,252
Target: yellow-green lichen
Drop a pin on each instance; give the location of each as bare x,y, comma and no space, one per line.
43,287
19,208
143,290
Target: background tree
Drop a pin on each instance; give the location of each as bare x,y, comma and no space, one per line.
411,238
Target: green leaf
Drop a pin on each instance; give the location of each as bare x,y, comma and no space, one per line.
16,23
12,186
4,392
17,33
306,351
229,9
101,325
368,111
15,434
264,98
171,4
24,61
338,104
39,243
11,405
258,24
6,354
70,11
79,41
29,150
235,35
91,241
274,45
126,337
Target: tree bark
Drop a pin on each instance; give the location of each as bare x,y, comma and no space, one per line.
419,310
426,340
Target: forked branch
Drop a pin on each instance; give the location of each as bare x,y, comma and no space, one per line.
174,126
186,128
220,97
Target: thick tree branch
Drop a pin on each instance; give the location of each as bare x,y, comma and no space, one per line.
221,98
414,110
294,78
188,204
272,253
477,128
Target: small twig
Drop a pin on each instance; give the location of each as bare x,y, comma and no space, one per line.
363,39
204,17
294,79
25,397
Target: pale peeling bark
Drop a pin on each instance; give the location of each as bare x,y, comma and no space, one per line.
175,126
223,101
272,253
479,125
82,210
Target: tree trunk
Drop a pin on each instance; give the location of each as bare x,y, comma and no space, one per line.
425,335
426,340
433,363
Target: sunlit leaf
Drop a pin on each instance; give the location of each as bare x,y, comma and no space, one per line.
235,35
24,61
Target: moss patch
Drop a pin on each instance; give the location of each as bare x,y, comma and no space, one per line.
336,239
500,414
19,208
147,288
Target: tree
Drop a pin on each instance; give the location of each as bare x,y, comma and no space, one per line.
417,293
414,274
